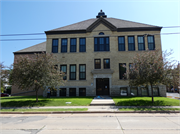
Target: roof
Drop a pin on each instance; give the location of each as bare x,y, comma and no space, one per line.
118,23
41,47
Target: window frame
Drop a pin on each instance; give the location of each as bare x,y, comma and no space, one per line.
121,43
80,45
123,88
82,93
71,46
95,63
65,46
72,72
131,44
105,45
82,72
136,89
65,77
151,43
123,78
147,91
55,46
141,43
104,63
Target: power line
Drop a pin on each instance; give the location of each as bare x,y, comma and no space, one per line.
21,34
44,33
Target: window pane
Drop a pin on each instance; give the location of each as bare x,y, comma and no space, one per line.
97,64
64,45
101,44
82,68
123,92
131,45
73,45
106,63
55,46
144,91
122,70
141,45
134,91
151,45
121,42
73,68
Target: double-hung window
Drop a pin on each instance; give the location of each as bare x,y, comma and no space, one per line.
131,44
63,45
151,44
122,70
101,44
141,45
82,72
106,63
72,72
82,45
54,45
64,70
73,45
121,43
97,63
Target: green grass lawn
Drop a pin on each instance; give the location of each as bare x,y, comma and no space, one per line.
44,110
149,109
29,101
145,101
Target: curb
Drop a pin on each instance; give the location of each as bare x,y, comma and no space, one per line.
91,112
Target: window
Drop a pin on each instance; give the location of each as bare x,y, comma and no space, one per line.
82,45
73,45
155,91
82,72
144,91
121,43
131,44
97,63
151,44
123,91
82,91
72,72
106,63
134,91
63,45
72,91
64,70
63,92
53,92
101,33
101,44
131,70
122,70
55,46
141,45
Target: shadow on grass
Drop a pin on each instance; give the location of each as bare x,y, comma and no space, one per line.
141,103
27,103
150,109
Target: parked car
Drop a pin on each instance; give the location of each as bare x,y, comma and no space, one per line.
4,95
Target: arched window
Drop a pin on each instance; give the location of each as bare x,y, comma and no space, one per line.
101,33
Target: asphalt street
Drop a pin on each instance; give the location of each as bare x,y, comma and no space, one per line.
132,123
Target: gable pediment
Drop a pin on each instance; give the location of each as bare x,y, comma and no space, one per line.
101,21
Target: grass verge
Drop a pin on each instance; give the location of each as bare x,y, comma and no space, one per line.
145,101
44,110
30,101
149,109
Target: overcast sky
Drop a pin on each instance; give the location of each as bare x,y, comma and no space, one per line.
37,16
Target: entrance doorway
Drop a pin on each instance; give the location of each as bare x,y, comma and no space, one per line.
102,86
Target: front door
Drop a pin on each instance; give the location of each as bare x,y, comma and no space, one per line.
102,86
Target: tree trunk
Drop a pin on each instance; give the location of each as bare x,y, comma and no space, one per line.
36,95
152,93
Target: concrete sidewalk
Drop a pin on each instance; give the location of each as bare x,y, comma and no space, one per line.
91,108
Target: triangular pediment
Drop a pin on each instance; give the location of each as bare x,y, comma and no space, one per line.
101,21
